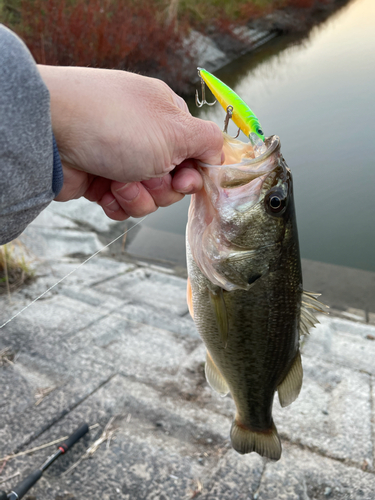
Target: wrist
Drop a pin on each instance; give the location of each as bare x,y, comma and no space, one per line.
60,102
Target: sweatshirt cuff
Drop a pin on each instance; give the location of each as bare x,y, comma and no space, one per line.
58,176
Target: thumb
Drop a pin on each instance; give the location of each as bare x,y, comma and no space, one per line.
203,141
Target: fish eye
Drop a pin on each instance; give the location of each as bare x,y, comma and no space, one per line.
275,203
260,131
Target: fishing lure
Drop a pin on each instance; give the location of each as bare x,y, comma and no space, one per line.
241,114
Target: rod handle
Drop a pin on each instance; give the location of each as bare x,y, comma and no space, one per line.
26,484
76,436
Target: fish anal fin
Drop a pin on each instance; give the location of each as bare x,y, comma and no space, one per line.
189,298
266,443
214,377
290,387
221,314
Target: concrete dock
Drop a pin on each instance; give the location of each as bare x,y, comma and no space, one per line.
114,345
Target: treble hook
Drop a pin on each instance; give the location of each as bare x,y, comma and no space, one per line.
226,121
203,101
227,118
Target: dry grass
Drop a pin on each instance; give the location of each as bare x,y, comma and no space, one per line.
198,489
14,268
6,356
107,435
41,393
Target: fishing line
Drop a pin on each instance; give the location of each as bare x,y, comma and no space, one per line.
70,273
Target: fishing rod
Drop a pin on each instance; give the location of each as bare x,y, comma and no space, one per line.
23,487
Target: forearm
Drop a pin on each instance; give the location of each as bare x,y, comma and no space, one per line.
26,140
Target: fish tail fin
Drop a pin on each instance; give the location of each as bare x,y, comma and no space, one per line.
266,443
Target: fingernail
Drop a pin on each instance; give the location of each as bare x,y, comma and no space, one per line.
129,191
113,206
185,189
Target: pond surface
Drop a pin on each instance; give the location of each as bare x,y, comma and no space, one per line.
318,97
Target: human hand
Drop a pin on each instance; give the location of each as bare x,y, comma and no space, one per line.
126,141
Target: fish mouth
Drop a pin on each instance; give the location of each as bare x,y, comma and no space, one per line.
236,187
272,144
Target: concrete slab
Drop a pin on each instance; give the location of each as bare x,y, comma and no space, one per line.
155,452
182,326
332,414
83,212
48,218
54,243
301,475
152,244
23,421
341,287
208,54
154,289
344,343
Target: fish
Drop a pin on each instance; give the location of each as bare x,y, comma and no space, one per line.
242,115
245,289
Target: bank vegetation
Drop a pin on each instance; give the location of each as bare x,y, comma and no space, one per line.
147,36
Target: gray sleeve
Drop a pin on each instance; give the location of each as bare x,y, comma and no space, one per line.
26,140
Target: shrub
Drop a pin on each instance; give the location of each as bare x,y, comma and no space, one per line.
134,35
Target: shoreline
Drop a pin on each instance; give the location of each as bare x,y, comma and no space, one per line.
166,45
73,232
343,289
214,50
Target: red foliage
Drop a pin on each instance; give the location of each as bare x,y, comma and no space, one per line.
249,11
121,34
301,3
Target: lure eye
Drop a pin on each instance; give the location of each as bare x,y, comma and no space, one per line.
275,203
260,131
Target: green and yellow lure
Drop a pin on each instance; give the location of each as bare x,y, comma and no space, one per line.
242,115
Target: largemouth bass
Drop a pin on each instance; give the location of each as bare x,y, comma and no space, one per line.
245,288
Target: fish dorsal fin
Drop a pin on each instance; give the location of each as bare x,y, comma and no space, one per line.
290,387
214,377
309,305
189,298
221,314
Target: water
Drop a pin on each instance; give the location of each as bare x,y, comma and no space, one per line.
318,97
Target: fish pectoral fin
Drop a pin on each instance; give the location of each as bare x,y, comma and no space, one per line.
244,268
290,387
309,305
221,314
214,377
266,443
189,298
